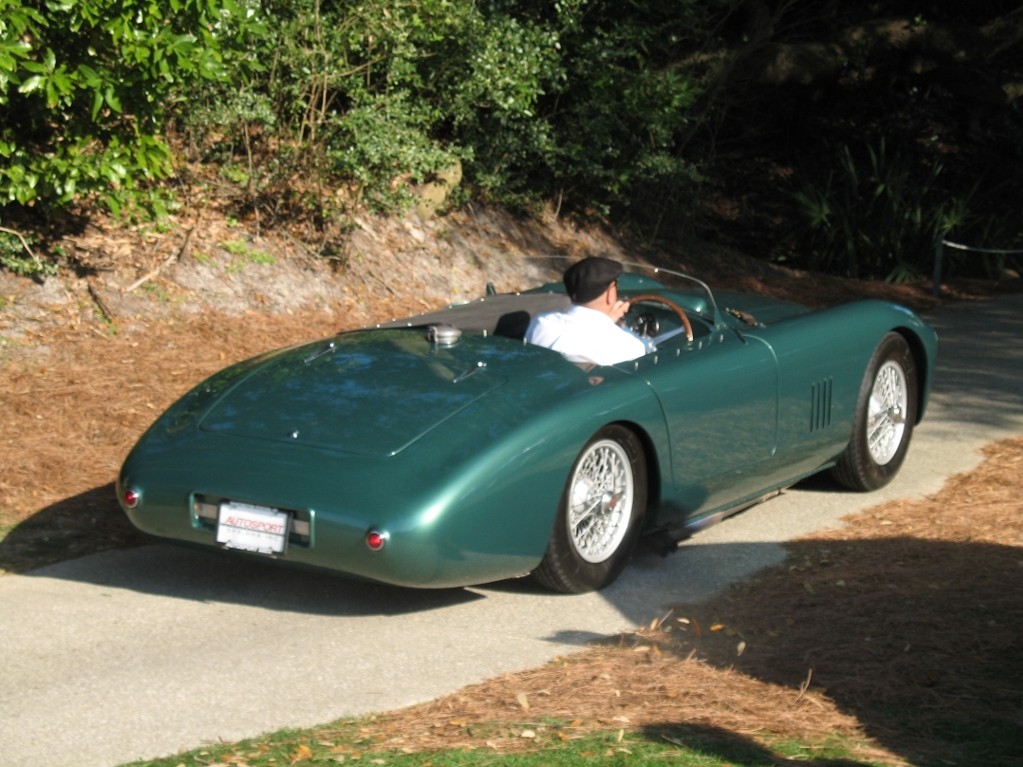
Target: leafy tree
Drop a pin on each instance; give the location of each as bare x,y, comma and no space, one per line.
86,88
365,101
625,109
887,124
600,105
635,110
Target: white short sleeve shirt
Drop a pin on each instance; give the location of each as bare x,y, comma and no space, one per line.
586,335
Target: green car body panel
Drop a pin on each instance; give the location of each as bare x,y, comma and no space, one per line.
458,452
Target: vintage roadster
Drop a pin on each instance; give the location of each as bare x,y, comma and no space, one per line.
443,450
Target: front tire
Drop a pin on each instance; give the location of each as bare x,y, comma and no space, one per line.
601,512
885,414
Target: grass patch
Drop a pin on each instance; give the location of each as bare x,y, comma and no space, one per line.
157,291
244,249
545,745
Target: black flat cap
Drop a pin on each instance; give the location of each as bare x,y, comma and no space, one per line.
587,279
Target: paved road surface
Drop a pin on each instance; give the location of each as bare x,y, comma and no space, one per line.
135,654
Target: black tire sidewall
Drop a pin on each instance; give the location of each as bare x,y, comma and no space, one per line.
857,468
562,568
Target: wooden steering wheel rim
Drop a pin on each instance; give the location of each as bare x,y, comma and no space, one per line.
654,298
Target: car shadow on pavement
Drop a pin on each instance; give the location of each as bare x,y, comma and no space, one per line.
88,538
73,527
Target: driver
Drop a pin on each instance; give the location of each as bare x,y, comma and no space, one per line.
588,331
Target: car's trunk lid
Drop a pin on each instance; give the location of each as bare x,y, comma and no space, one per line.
371,393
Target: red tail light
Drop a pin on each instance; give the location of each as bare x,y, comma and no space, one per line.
375,540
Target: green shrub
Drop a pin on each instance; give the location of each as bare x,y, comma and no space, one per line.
877,214
18,257
623,110
534,99
86,88
607,112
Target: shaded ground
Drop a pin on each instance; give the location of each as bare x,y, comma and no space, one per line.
902,629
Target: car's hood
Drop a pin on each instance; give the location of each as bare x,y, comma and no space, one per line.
370,392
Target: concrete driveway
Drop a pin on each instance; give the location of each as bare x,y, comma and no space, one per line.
135,654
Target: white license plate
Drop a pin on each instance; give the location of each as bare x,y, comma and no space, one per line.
252,528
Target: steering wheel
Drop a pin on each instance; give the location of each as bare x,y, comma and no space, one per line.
656,299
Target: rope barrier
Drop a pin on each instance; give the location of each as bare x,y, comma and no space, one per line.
939,257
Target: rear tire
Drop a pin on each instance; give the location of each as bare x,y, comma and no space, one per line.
601,512
885,414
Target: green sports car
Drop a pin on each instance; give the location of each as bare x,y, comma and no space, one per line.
443,450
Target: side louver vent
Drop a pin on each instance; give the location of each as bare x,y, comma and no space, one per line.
820,405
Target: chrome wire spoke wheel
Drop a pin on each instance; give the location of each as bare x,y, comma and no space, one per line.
886,409
886,414
601,513
600,500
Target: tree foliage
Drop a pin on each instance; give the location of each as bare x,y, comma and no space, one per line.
579,98
371,97
888,126
86,89
657,114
